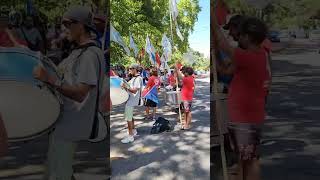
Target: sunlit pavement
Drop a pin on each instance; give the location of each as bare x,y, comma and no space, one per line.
291,139
171,155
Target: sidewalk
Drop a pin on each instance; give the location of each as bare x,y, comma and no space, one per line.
172,155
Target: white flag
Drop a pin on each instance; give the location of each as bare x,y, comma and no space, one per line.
133,46
174,9
116,37
179,33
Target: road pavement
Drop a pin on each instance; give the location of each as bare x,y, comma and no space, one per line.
178,154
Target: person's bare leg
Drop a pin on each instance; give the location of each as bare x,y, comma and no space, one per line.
147,111
154,112
130,127
188,121
252,170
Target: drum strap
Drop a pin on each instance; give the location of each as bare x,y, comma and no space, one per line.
95,126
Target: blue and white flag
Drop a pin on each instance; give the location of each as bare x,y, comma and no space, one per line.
167,48
133,46
151,51
151,94
116,37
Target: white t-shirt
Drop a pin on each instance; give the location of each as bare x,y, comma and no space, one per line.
135,82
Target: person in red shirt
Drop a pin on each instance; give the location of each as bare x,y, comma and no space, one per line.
187,92
172,79
7,36
246,98
150,103
233,26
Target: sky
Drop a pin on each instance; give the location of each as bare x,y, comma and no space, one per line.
199,40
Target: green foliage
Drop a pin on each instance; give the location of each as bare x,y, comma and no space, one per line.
50,10
283,14
150,17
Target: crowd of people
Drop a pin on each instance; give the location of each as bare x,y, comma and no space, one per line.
245,72
144,85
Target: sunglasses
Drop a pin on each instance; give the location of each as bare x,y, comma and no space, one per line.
67,24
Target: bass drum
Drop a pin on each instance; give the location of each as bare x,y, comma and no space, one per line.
117,94
29,108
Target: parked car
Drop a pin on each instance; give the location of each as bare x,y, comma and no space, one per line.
274,36
314,35
284,34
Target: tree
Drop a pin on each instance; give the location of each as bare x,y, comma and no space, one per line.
150,17
282,13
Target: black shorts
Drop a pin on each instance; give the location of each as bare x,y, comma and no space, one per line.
150,103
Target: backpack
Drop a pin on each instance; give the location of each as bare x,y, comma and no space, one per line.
160,126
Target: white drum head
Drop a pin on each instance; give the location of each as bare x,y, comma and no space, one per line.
118,96
27,111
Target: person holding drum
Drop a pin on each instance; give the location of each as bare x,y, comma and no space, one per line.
82,75
133,101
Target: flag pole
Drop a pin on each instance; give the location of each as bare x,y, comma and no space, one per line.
177,82
218,110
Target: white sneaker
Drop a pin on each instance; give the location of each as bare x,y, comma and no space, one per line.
127,139
135,132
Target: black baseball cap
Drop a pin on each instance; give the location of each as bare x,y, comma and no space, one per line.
235,21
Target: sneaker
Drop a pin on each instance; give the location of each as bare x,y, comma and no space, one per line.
127,139
135,132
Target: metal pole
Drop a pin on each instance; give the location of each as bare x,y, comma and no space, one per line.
177,82
218,112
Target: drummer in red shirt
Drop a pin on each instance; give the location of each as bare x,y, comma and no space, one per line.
187,92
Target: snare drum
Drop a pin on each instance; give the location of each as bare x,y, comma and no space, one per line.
29,108
117,94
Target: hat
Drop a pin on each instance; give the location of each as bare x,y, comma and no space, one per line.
234,21
81,14
134,66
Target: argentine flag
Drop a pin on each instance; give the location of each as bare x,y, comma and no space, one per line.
151,94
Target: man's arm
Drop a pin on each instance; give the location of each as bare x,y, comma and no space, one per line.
76,92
